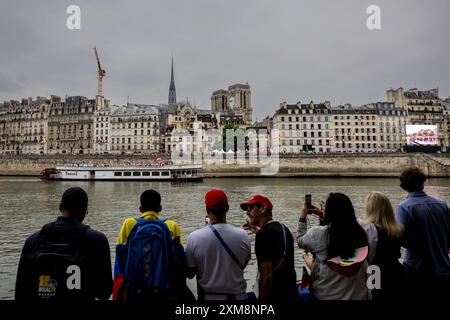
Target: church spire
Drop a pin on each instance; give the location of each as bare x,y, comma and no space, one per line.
172,90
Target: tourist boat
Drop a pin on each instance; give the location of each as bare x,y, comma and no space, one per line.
124,173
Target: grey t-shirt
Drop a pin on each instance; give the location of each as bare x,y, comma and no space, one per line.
217,272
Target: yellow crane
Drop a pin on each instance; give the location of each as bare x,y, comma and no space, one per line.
101,74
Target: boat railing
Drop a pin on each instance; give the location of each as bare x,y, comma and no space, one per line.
105,165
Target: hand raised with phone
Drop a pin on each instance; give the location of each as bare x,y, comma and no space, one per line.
309,208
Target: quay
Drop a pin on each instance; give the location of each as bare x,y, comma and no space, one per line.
298,165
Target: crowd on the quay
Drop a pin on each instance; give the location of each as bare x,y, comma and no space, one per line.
346,258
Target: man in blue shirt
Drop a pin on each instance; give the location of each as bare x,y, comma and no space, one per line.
426,236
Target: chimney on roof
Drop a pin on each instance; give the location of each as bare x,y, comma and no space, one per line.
435,91
55,99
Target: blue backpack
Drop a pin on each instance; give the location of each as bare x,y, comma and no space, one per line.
151,259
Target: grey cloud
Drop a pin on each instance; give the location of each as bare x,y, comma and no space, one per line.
291,49
8,85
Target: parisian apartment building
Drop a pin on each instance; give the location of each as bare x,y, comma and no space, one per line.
422,107
79,125
134,129
102,141
375,127
304,127
24,126
70,125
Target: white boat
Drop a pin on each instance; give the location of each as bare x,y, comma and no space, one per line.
135,173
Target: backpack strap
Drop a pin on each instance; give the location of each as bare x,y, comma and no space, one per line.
226,247
278,266
140,220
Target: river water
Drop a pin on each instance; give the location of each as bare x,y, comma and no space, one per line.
28,203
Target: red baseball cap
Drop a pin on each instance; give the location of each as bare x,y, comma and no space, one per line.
257,198
216,199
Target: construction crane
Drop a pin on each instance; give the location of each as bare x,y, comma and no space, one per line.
101,74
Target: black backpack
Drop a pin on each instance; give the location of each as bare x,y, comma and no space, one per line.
59,263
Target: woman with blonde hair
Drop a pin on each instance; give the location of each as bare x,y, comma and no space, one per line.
384,235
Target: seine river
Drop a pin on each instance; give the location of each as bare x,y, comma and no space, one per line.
28,203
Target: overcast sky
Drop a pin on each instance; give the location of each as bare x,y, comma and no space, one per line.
294,50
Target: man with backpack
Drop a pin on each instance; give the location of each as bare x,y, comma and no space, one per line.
218,253
150,265
66,260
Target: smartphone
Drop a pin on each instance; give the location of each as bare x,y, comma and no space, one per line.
308,200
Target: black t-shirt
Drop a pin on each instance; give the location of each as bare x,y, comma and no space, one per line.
269,246
386,256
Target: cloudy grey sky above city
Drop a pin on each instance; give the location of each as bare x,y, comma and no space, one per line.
290,50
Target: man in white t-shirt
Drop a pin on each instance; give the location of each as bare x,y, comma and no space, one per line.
218,253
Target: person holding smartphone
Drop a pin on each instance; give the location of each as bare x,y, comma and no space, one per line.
338,237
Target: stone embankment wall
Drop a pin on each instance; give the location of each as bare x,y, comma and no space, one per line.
344,165
386,165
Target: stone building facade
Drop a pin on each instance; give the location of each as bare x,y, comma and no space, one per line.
134,129
102,141
391,132
35,126
376,127
24,126
236,100
304,128
422,107
70,126
186,121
